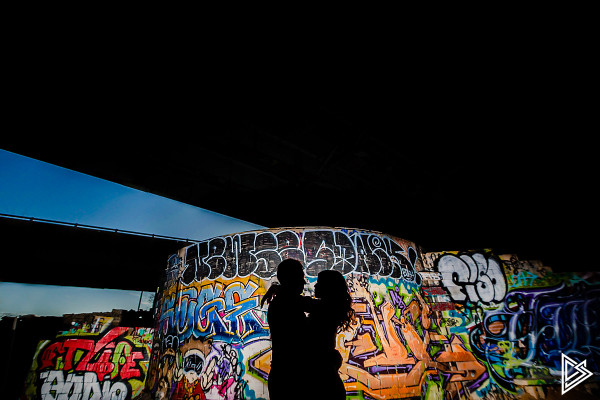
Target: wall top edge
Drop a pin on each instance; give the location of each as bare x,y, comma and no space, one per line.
303,228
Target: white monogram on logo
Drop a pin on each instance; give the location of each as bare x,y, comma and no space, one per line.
572,373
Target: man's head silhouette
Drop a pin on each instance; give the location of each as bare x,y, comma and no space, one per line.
290,274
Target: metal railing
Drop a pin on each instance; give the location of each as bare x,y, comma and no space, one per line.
97,228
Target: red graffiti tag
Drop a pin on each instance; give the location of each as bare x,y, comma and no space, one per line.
102,356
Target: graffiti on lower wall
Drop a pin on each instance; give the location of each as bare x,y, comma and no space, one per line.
99,365
525,337
429,325
520,320
396,349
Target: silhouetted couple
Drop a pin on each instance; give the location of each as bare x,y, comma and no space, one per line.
303,348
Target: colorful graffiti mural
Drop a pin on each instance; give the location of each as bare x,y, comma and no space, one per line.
91,364
444,325
438,325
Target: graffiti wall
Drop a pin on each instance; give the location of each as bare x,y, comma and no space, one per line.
92,363
442,325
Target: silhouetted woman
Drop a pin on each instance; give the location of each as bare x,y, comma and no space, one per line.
329,314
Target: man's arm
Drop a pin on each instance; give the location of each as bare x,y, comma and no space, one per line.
271,293
308,304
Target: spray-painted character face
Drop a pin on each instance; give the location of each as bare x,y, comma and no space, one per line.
193,362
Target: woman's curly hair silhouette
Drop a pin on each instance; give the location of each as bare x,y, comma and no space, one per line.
331,288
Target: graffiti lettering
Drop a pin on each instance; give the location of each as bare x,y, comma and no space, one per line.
215,311
109,365
112,355
80,386
434,276
522,279
433,290
534,327
472,277
259,254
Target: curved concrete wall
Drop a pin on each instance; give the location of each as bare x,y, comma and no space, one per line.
435,325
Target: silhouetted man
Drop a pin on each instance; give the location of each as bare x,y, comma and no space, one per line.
287,323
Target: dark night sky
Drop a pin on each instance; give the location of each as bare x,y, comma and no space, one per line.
491,156
449,178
